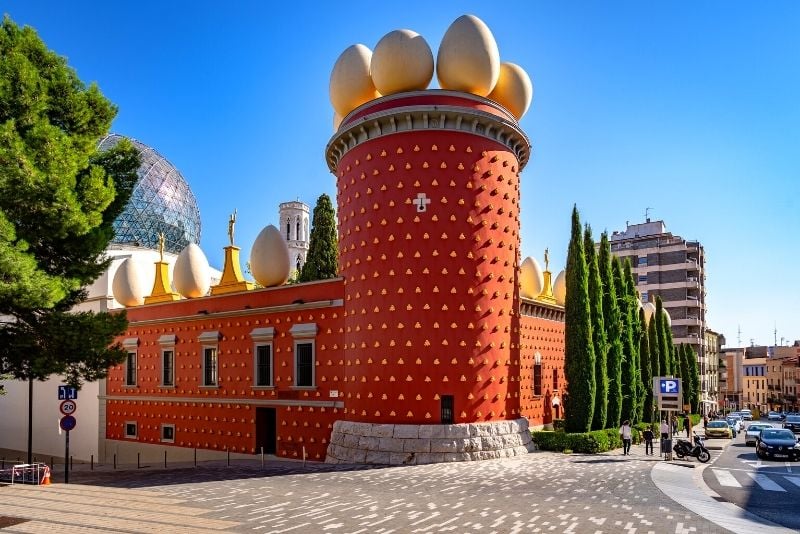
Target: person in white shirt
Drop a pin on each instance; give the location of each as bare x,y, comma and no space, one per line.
664,433
625,432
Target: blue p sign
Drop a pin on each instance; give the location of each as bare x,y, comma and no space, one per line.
670,386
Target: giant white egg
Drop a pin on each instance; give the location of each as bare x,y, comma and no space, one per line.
560,288
401,61
132,282
514,90
468,58
269,258
667,318
649,309
351,84
531,279
192,275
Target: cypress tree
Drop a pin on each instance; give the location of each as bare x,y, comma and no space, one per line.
634,331
683,365
613,325
694,376
646,370
628,380
322,259
598,333
579,349
664,357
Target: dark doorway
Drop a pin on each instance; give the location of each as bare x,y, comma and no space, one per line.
447,410
266,430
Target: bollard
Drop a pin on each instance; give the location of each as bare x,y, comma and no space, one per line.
228,451
262,457
71,467
304,455
195,456
115,461
91,464
138,460
3,463
165,459
52,463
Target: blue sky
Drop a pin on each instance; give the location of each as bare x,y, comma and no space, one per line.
688,108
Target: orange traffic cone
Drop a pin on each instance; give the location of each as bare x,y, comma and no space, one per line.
46,479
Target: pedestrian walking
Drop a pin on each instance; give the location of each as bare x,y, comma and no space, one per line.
674,426
705,422
627,435
687,425
648,436
664,436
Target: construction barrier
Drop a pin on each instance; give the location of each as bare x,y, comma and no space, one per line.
38,473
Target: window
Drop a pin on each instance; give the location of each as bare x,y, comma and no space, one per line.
167,342
304,363
168,433
297,234
447,410
288,229
555,379
537,374
262,356
642,262
130,369
644,296
209,342
209,366
130,429
642,278
130,345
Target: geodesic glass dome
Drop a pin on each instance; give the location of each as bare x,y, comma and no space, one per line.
161,202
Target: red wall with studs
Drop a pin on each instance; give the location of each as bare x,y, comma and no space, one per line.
431,298
545,336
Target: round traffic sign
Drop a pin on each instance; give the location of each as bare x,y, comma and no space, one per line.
68,407
68,423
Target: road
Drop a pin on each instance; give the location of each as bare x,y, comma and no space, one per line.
769,489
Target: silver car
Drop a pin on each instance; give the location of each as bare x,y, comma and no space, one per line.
753,431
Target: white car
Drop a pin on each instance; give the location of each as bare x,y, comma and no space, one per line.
747,415
753,431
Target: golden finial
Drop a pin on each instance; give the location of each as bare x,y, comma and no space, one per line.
161,245
231,225
547,259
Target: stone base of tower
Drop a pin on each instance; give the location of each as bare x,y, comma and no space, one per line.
386,444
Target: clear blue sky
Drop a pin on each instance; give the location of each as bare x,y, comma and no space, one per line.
689,108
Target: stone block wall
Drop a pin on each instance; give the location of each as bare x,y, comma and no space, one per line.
387,444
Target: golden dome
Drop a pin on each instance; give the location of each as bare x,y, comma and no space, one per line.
401,61
132,282
531,280
560,288
351,84
191,275
269,258
468,58
514,90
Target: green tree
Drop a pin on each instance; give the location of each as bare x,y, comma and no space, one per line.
613,325
646,369
664,350
578,347
683,372
598,333
634,331
694,377
628,364
322,259
58,200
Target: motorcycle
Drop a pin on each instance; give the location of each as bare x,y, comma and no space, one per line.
683,448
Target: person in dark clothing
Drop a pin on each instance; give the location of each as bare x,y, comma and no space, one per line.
687,425
648,437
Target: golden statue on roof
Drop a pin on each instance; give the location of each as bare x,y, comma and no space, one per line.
231,225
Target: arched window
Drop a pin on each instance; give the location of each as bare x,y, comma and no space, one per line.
288,229
306,226
297,234
298,262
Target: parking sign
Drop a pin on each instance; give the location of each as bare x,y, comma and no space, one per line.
669,386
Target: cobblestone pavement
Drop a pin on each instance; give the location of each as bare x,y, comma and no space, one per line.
539,492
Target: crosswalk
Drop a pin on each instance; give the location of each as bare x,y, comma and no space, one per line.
739,479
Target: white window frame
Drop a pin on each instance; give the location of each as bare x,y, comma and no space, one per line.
131,346
135,435
263,337
305,334
209,341
167,342
164,439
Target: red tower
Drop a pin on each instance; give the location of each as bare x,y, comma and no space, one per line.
428,204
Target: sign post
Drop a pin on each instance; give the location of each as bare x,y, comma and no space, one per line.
67,423
669,393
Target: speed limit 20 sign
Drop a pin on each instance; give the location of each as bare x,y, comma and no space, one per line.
68,407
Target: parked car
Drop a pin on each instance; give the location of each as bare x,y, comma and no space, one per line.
775,416
778,443
718,429
753,432
792,423
747,415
